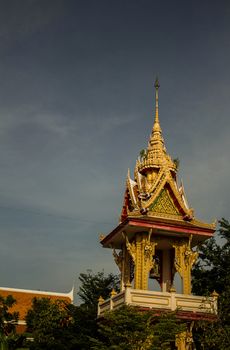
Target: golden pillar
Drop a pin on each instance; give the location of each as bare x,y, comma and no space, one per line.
141,249
184,260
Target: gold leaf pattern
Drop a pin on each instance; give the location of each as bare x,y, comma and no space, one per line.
164,204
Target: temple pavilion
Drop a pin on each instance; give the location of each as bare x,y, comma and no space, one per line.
155,240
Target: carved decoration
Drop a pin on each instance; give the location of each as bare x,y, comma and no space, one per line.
185,257
131,248
149,247
189,255
156,183
118,259
178,260
141,252
101,236
131,270
164,204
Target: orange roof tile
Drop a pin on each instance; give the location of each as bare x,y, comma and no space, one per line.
24,298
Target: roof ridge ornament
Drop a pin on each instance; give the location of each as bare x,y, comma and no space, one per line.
156,155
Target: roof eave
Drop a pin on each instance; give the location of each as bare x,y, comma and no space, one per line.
183,229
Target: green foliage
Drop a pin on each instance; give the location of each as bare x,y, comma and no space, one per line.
82,327
85,317
48,321
212,272
57,325
212,336
129,328
95,285
176,161
143,154
8,321
166,327
124,328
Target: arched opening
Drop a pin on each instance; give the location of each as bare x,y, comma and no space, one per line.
154,285
177,283
155,274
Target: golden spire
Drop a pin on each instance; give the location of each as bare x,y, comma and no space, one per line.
156,152
156,85
156,137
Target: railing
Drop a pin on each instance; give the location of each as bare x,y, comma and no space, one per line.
168,301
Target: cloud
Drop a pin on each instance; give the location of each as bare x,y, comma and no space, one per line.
26,18
76,101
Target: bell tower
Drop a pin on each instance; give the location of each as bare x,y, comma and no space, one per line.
157,233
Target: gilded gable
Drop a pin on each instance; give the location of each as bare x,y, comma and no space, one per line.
164,204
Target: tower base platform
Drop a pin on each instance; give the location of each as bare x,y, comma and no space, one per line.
187,307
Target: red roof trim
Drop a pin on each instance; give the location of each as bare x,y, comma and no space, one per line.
173,228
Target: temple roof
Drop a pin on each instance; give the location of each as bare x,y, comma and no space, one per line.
154,191
24,298
164,227
156,155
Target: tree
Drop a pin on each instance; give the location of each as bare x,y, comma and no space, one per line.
48,321
59,325
166,328
8,321
95,285
212,272
129,328
85,316
82,328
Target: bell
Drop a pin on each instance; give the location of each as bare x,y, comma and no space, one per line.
153,274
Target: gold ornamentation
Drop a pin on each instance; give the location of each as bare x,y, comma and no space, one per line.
184,260
113,293
155,196
118,258
131,269
164,204
178,260
131,248
156,152
128,268
154,172
181,341
101,300
189,255
130,185
141,251
149,247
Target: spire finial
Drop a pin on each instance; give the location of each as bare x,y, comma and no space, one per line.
156,155
156,85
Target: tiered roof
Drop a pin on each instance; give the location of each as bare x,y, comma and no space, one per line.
153,196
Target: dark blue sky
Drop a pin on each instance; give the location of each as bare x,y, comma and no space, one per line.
76,108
